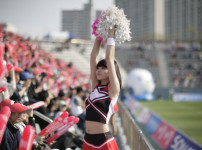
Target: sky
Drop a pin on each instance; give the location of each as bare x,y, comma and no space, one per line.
36,18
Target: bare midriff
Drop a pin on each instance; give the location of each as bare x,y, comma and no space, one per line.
93,127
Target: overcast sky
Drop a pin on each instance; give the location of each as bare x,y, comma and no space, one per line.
35,18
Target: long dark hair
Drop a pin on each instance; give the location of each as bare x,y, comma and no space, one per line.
103,63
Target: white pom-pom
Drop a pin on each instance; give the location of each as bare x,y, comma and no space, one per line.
111,17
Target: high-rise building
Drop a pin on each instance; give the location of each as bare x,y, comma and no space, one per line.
183,20
141,16
78,22
164,19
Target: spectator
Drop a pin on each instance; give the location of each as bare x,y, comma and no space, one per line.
26,82
11,137
77,107
62,95
34,88
10,86
43,96
26,119
62,107
52,108
72,92
20,88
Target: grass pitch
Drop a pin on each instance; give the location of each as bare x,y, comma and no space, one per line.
184,116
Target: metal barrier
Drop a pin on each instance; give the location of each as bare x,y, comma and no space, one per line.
135,139
42,116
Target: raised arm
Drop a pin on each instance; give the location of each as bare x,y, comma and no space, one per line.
93,62
114,86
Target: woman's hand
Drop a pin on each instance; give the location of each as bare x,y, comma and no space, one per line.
111,33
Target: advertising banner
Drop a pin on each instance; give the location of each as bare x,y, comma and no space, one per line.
153,124
187,97
181,142
137,109
167,137
144,116
164,135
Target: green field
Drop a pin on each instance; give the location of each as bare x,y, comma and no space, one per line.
184,116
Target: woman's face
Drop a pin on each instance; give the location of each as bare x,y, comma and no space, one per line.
102,73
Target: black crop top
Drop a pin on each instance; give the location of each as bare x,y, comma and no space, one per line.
99,106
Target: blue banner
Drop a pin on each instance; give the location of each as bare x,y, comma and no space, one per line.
187,97
152,124
181,142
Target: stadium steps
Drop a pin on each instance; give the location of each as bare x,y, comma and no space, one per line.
163,68
68,55
156,70
124,55
71,55
130,59
183,62
79,58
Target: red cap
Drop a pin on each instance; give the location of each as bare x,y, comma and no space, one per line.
17,69
15,107
3,88
38,71
9,67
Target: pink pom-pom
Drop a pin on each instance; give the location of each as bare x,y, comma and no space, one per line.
94,27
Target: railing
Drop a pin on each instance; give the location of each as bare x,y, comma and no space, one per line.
43,117
135,139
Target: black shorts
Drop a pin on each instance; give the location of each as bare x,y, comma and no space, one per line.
104,141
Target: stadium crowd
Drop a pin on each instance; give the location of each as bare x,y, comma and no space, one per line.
29,75
185,66
183,61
